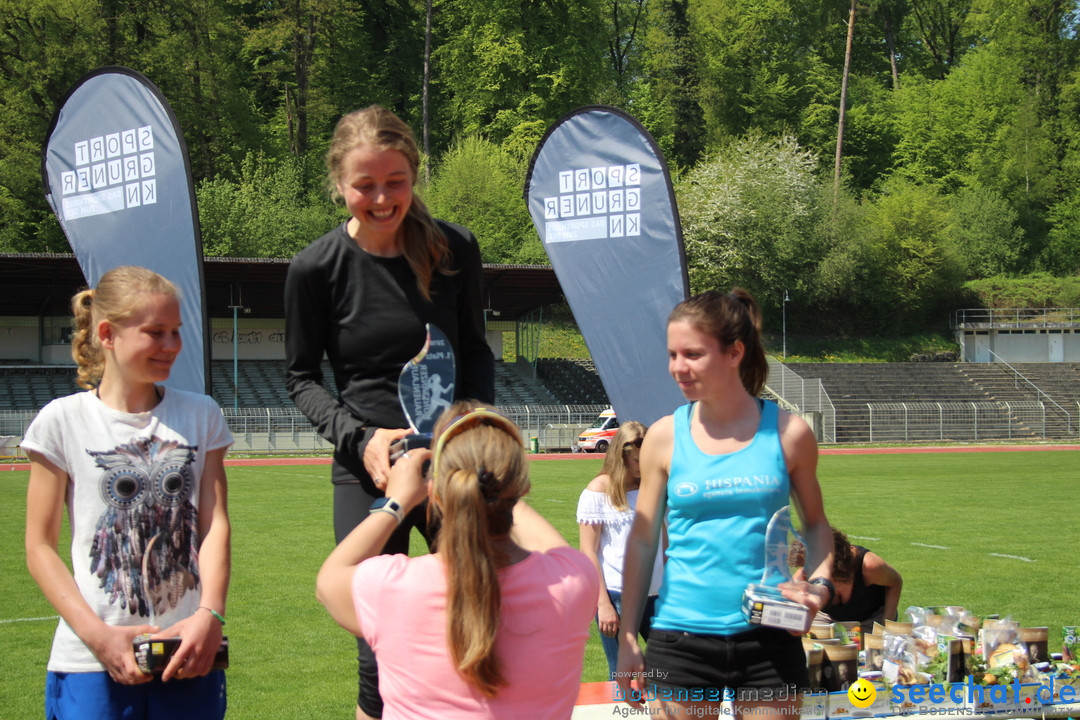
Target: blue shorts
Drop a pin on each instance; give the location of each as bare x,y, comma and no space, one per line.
96,696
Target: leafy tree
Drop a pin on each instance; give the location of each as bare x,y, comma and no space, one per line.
45,47
281,45
943,30
1062,252
627,21
984,227
680,75
273,209
970,127
478,184
190,51
891,14
757,61
909,224
845,289
748,216
510,69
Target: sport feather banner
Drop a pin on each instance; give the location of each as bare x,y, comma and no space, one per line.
601,199
115,170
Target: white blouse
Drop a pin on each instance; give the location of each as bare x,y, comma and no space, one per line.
594,508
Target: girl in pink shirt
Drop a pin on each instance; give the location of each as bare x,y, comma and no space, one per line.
494,623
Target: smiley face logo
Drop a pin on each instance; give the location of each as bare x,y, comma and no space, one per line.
862,693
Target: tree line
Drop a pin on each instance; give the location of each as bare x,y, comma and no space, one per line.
879,162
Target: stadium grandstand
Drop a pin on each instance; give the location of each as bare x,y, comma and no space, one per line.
551,398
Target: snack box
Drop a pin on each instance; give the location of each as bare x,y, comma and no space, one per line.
1070,645
840,706
815,706
1072,695
882,704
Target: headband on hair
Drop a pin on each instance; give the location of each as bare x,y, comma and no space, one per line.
479,416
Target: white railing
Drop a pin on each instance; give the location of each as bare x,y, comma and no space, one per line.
964,422
1015,318
1019,376
803,396
286,430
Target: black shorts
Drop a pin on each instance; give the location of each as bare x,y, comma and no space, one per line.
761,658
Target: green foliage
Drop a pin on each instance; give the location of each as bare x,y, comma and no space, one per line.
190,51
510,69
909,224
984,227
811,345
847,288
1039,290
965,164
45,46
478,184
273,209
562,339
757,57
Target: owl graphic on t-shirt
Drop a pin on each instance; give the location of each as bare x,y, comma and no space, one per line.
145,547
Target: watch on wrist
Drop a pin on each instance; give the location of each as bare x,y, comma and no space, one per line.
827,584
389,505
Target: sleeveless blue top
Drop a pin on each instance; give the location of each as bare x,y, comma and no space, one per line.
718,507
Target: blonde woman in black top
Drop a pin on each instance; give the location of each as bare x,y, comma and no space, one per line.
361,295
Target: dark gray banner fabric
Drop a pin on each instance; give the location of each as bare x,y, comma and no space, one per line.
116,173
600,196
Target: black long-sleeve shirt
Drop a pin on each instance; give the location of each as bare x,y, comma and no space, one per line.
367,314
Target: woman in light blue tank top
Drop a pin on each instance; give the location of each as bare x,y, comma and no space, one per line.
718,468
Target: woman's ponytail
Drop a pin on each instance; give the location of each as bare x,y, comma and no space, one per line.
472,594
86,354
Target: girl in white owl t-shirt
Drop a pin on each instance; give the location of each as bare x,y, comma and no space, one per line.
141,471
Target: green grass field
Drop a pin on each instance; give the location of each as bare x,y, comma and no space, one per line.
995,532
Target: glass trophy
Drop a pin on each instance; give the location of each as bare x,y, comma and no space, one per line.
763,603
425,389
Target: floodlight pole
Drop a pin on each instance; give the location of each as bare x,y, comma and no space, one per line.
235,348
784,314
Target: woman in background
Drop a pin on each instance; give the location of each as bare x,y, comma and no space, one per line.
867,588
605,513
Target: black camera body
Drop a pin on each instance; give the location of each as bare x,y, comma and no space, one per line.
407,443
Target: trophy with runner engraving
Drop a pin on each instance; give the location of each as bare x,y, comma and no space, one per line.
763,603
425,389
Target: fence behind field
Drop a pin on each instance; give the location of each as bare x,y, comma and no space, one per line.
556,427
919,422
286,430
804,396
